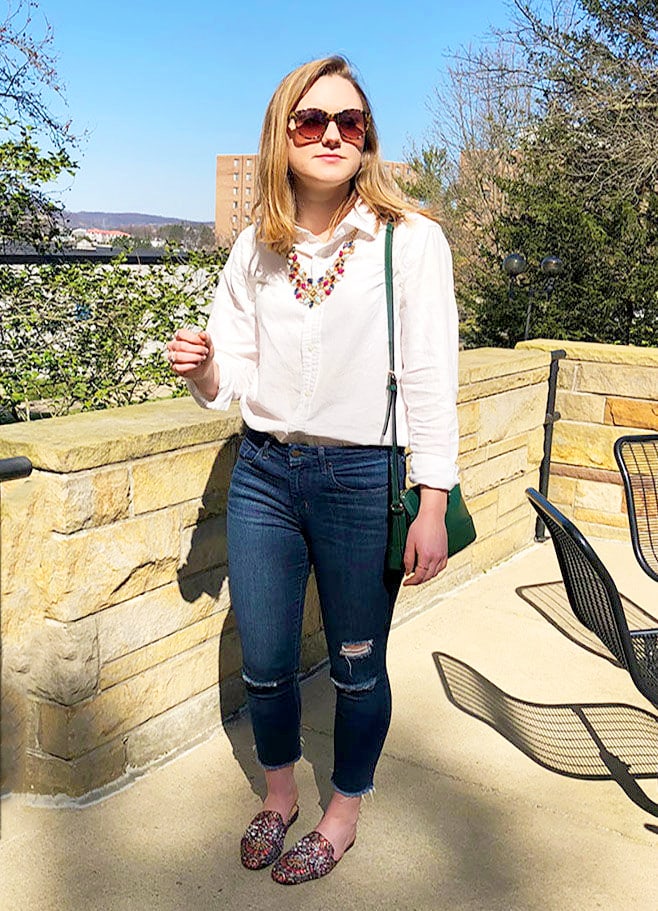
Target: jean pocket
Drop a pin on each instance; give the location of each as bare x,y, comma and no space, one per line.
354,472
249,450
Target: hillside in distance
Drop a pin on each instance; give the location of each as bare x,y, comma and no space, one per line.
116,221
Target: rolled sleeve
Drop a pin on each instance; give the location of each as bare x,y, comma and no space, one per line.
429,353
222,400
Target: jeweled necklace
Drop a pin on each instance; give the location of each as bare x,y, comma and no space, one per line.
311,292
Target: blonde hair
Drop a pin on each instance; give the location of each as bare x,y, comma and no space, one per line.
274,207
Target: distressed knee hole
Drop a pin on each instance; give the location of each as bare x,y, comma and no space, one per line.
365,687
353,650
264,684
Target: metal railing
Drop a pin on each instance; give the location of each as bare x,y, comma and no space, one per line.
99,257
549,420
15,467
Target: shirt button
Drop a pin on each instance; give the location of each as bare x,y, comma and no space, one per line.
295,452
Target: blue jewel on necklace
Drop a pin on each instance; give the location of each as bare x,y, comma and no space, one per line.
313,291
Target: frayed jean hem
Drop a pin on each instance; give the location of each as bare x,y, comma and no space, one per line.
274,768
369,790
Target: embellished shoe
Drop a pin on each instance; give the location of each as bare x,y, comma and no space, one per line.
263,839
311,858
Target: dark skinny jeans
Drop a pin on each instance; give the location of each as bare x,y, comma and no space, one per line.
290,507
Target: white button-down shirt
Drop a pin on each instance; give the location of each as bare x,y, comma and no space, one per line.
320,373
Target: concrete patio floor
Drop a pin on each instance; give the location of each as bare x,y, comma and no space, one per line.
551,804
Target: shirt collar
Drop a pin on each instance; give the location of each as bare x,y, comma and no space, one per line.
359,217
362,218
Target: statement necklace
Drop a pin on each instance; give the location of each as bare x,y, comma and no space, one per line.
306,290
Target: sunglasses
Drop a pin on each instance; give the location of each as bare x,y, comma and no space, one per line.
312,124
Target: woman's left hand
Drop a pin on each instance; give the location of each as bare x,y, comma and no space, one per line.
426,552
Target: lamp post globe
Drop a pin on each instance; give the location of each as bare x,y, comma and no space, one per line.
551,266
515,264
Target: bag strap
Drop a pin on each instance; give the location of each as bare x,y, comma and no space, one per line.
396,502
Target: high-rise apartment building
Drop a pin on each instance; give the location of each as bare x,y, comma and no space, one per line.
234,195
235,188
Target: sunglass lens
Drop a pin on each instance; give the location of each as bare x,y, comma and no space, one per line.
351,124
311,124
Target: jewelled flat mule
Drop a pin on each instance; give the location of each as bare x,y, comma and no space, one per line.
263,839
311,858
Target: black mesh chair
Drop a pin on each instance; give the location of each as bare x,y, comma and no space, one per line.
637,457
595,601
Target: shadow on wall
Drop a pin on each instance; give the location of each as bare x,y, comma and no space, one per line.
144,705
205,570
13,738
605,742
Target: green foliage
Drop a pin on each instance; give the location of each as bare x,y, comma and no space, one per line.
431,183
572,171
583,181
85,336
128,244
27,214
29,94
188,236
178,237
608,291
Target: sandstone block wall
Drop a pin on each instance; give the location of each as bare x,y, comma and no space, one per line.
604,392
501,405
115,606
118,643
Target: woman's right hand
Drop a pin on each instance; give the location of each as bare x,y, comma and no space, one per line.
191,355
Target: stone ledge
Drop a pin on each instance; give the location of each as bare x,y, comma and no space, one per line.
95,438
488,389
477,364
100,438
69,732
139,568
595,351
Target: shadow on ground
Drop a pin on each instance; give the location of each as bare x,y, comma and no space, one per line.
605,741
550,600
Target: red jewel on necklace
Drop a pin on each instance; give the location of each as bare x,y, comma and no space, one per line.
311,291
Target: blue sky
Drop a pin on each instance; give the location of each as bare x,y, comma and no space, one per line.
162,87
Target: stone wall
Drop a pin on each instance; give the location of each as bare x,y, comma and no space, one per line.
604,392
118,644
501,404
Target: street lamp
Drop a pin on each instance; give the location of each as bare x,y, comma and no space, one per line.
515,264
551,266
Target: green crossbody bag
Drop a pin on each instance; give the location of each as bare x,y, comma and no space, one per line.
405,503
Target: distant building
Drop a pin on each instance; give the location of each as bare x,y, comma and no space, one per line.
235,187
234,194
97,235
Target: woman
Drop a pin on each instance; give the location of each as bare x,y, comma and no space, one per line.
298,333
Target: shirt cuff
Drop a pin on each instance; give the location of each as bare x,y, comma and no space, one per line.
434,471
221,402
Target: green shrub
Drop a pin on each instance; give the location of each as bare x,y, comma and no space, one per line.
83,336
